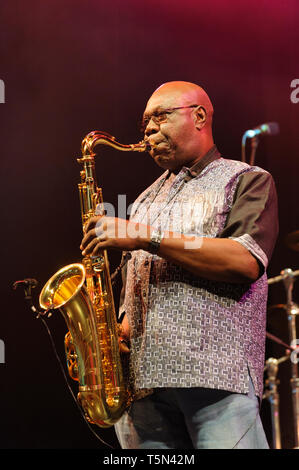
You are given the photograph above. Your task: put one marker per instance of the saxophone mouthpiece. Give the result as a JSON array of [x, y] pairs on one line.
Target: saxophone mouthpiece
[[148, 146]]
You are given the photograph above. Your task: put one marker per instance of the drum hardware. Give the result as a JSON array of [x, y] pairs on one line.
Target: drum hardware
[[271, 391], [272, 395], [288, 277]]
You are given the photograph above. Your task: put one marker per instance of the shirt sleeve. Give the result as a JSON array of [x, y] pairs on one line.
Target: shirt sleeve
[[253, 219]]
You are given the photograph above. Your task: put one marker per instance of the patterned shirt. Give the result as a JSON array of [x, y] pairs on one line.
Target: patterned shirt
[[187, 331]]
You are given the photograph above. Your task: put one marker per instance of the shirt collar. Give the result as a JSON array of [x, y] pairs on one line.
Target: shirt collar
[[197, 168]]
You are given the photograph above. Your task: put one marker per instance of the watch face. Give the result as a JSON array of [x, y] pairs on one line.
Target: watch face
[[156, 238]]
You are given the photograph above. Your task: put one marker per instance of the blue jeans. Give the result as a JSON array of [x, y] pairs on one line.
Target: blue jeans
[[193, 418]]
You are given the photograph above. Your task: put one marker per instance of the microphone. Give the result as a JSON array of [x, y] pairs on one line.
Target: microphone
[[26, 282], [269, 128]]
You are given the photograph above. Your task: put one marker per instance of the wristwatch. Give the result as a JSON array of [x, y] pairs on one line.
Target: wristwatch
[[156, 238]]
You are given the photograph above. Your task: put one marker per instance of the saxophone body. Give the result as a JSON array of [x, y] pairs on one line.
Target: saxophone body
[[82, 292]]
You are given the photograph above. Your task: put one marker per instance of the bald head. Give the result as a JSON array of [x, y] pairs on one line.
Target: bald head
[[180, 93]]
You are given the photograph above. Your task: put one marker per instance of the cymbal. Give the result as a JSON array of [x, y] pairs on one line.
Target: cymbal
[[292, 240]]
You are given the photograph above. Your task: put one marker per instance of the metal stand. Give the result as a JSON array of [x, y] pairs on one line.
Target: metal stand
[[272, 395], [292, 312], [292, 309], [254, 144]]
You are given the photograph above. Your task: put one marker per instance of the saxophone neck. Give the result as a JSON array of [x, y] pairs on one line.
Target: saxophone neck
[[98, 137], [90, 195]]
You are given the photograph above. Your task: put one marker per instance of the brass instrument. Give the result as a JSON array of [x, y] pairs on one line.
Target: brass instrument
[[83, 294]]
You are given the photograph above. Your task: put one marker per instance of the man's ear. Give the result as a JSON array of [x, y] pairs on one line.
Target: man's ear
[[200, 117]]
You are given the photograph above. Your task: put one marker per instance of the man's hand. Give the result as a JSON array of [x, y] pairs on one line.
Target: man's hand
[[103, 232], [124, 336], [123, 345]]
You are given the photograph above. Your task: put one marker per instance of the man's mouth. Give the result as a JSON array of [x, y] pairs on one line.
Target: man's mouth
[[159, 147]]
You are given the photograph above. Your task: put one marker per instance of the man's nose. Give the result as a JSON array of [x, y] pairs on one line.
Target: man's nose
[[151, 128]]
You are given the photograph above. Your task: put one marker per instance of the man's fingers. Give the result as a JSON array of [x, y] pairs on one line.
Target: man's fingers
[[101, 245], [88, 237], [93, 246], [92, 222], [92, 233]]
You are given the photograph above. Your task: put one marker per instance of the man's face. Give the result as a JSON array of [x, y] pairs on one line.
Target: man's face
[[173, 139]]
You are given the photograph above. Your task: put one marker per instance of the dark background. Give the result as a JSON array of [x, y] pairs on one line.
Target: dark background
[[73, 66]]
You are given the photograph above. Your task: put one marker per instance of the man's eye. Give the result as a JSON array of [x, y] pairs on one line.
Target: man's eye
[[156, 117], [144, 124], [161, 117]]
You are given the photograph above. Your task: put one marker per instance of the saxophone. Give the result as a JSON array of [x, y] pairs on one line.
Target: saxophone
[[83, 294]]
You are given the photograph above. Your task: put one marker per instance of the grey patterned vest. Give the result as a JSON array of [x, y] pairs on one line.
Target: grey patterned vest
[[187, 331]]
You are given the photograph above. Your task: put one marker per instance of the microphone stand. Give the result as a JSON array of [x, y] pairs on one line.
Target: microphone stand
[[243, 147], [254, 143], [28, 285]]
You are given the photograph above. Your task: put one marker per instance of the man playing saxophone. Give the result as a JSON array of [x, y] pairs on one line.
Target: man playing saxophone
[[201, 237]]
